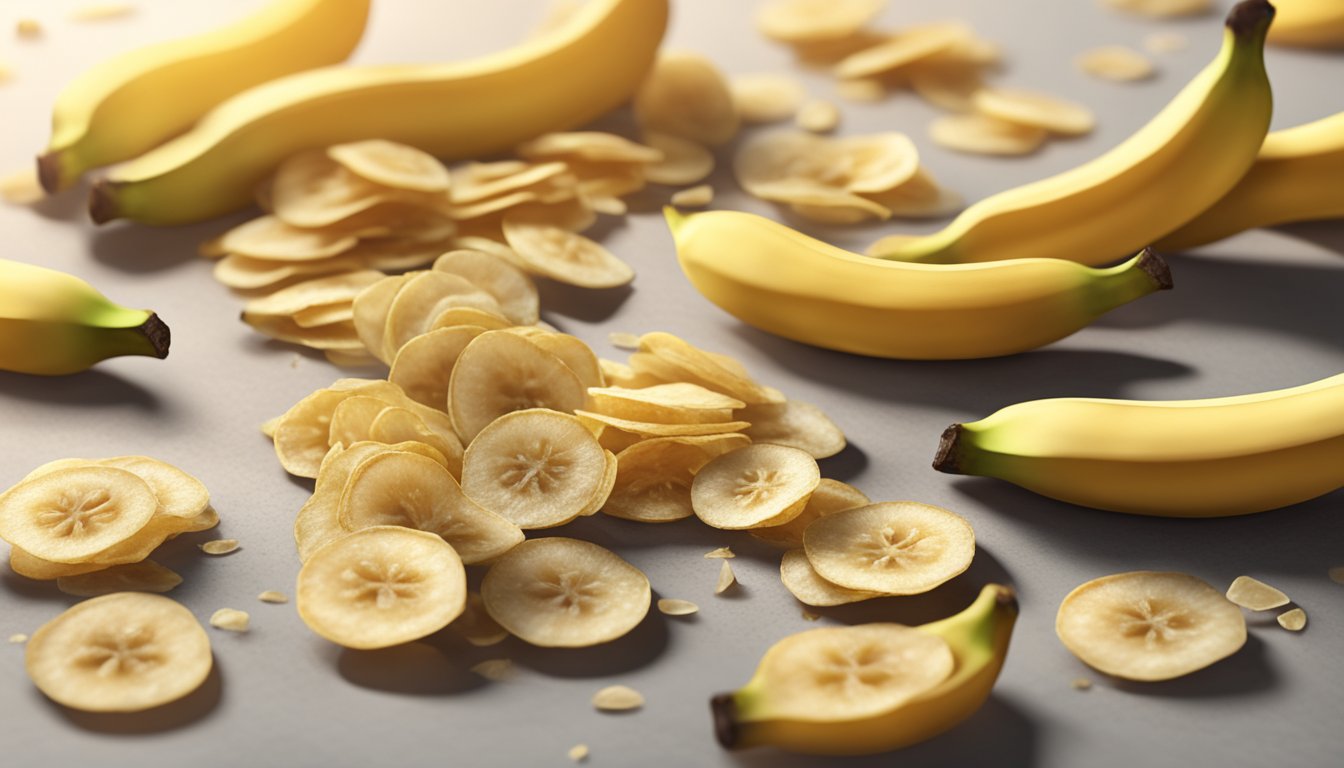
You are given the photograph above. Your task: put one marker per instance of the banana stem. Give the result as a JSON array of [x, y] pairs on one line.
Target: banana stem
[[1140, 276]]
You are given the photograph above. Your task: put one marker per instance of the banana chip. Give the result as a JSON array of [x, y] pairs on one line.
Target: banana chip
[[458, 317], [984, 135], [1116, 62], [587, 145], [482, 184], [1034, 110], [513, 290], [669, 606], [381, 586], [401, 425], [230, 620], [247, 274], [617, 698], [475, 625], [830, 496], [500, 372], [693, 197], [866, 90], [905, 48], [653, 477], [600, 423], [124, 652], [687, 96], [325, 314], [818, 116], [754, 486], [673, 359], [766, 98], [72, 515], [421, 301], [947, 85], [179, 494], [805, 21], [560, 592], [684, 161], [352, 419], [219, 546], [565, 256], [392, 165], [1293, 620], [424, 365], [269, 238], [146, 576], [1255, 595], [726, 578], [678, 403], [572, 351], [795, 424], [370, 312], [311, 190], [805, 584], [896, 548]]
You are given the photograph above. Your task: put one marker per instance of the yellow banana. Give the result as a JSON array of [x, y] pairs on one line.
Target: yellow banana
[[1296, 177], [1184, 458], [1173, 168], [135, 102], [560, 80], [1309, 24], [52, 323], [978, 639], [791, 285]]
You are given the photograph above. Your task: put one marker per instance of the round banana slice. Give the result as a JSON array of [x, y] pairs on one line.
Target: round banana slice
[[422, 299], [653, 477], [124, 652], [247, 274], [381, 586], [681, 361], [679, 403], [565, 593], [267, 237], [326, 314], [317, 521], [70, 515], [510, 287], [806, 21], [537, 468], [565, 256], [753, 486], [1035, 110], [456, 317], [424, 365], [766, 98], [501, 372], [301, 435], [337, 289], [893, 547], [795, 424], [802, 580], [417, 492], [311, 190], [587, 145], [599, 422], [830, 496], [684, 161], [621, 375], [840, 674], [371, 307], [392, 165], [352, 419], [179, 494], [1116, 62], [572, 351], [1146, 625], [985, 135], [401, 425], [905, 48], [686, 95]]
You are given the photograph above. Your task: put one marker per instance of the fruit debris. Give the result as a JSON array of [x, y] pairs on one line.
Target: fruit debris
[[1255, 595], [673, 607], [726, 578], [578, 753], [617, 698], [694, 197], [721, 552], [1116, 62], [1081, 684], [1336, 574], [230, 619], [20, 187], [219, 546], [273, 597], [18, 638], [1293, 620], [818, 116], [498, 670], [28, 28]]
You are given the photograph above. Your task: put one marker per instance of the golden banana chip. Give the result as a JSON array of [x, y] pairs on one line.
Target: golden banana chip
[[805, 584], [458, 317], [726, 578], [302, 432], [71, 515], [684, 161], [621, 375], [804, 21], [687, 96], [679, 403], [617, 698], [818, 116], [418, 305], [1035, 110], [371, 307], [919, 197], [483, 183], [796, 424], [273, 597], [766, 98], [340, 335], [219, 546], [830, 496], [392, 165], [243, 273], [1116, 62], [906, 47], [401, 425], [179, 494], [1255, 595], [230, 620], [897, 548], [653, 477], [352, 418], [565, 256], [1293, 620], [499, 670], [587, 145], [693, 197], [500, 372], [514, 291], [325, 314], [313, 191], [985, 135], [424, 365], [754, 486], [146, 576], [722, 553], [682, 361], [572, 351], [269, 238], [669, 606]]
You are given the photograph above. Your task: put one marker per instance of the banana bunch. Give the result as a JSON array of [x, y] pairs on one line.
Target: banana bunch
[[873, 687], [52, 323], [554, 82], [1186, 458], [1179, 164], [791, 285], [1296, 177], [1309, 24], [134, 102]]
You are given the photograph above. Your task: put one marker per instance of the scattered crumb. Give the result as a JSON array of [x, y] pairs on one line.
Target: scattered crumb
[[623, 340], [726, 578], [694, 197], [810, 616], [818, 116], [578, 753], [1255, 595], [28, 28], [1117, 63], [721, 552], [230, 619], [102, 11], [18, 637], [1081, 684], [271, 596], [617, 698], [499, 670], [1294, 620], [673, 607], [220, 546], [1337, 574], [20, 187], [861, 90], [1165, 42]]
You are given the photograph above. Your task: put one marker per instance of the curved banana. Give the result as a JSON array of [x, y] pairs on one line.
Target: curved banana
[[1296, 177], [786, 283], [1173, 168], [1309, 24], [132, 103], [978, 638], [52, 323], [1184, 458], [554, 82]]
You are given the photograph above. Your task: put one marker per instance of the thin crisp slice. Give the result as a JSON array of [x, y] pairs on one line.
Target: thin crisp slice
[[805, 21], [475, 625], [795, 424], [803, 581], [392, 165], [456, 317], [693, 197], [830, 496], [766, 98], [400, 425], [727, 578], [617, 698], [313, 191], [671, 606], [498, 670], [219, 546], [587, 145], [326, 314], [684, 161], [71, 515], [561, 592], [353, 418], [500, 372], [753, 486], [601, 423], [511, 288], [565, 256], [247, 274], [381, 586], [336, 289], [722, 553], [1293, 620], [179, 494], [1147, 625], [679, 403], [687, 96], [230, 620], [1255, 595], [901, 50], [682, 361], [21, 187], [274, 597], [578, 753], [1036, 110], [123, 652], [371, 307], [1116, 62], [984, 135], [653, 477], [145, 576], [572, 351], [267, 237], [893, 547]]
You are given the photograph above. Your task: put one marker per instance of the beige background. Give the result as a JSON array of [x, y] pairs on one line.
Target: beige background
[[1256, 312]]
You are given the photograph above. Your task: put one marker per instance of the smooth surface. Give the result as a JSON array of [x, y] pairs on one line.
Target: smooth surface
[[1258, 312]]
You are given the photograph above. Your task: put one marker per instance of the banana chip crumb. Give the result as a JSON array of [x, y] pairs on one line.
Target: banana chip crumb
[[726, 578], [18, 637], [1165, 42], [578, 753], [1255, 595], [818, 116], [1337, 574], [220, 546], [1294, 620], [617, 698], [28, 28], [274, 597], [101, 11], [673, 607], [622, 340], [1081, 684], [721, 552], [810, 616], [498, 670], [694, 197], [230, 619]]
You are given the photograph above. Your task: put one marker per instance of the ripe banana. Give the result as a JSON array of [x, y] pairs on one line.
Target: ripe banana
[[788, 284], [1184, 458], [136, 101], [1309, 24], [977, 637], [1296, 177], [1180, 163], [554, 82], [52, 323]]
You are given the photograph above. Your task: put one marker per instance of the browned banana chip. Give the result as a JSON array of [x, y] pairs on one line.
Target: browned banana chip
[[704, 368], [678, 403], [587, 145], [906, 47], [984, 135], [830, 496], [754, 486], [537, 468], [424, 365], [684, 161], [397, 254], [267, 237], [71, 515], [380, 587], [804, 21], [803, 581], [146, 576], [686, 95], [422, 299], [393, 165], [796, 424], [247, 274], [653, 479], [311, 190], [417, 492], [508, 285], [897, 548], [351, 358], [500, 372]]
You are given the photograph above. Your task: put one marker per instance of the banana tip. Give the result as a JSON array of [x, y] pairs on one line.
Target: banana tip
[[1156, 267], [725, 720], [674, 217], [947, 459], [102, 203], [158, 334], [49, 172], [1248, 16], [1006, 598]]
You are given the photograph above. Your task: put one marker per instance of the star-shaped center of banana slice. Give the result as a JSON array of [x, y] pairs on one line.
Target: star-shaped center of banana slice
[[383, 584], [865, 665], [574, 592], [128, 651], [756, 486], [890, 548], [1154, 623], [77, 513]]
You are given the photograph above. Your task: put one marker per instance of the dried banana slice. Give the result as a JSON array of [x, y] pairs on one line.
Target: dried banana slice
[[766, 98], [905, 48], [353, 417], [71, 515], [537, 468], [486, 184], [381, 586], [392, 165], [313, 191], [397, 425], [1035, 110], [830, 496], [508, 285], [500, 372], [456, 317], [1147, 625], [808, 21], [687, 96], [317, 522], [338, 290], [146, 576], [267, 237], [422, 299], [681, 361], [653, 477], [693, 197], [599, 423], [843, 674], [985, 135], [1255, 595], [123, 652], [684, 161], [371, 307], [795, 424], [753, 486], [1116, 62], [326, 314], [424, 365], [179, 494], [247, 274], [417, 492], [572, 351], [301, 435], [893, 547], [678, 403], [621, 375], [565, 256], [587, 145], [803, 581], [559, 592]]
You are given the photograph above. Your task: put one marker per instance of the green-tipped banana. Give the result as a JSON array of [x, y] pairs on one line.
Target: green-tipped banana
[[871, 687], [1182, 458], [128, 105], [1176, 166], [1296, 177], [52, 323]]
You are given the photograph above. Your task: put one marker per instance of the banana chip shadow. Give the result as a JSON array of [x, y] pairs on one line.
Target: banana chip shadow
[[182, 713]]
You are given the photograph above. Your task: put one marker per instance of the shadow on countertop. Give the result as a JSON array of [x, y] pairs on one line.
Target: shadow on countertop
[[88, 389], [182, 713], [138, 248]]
